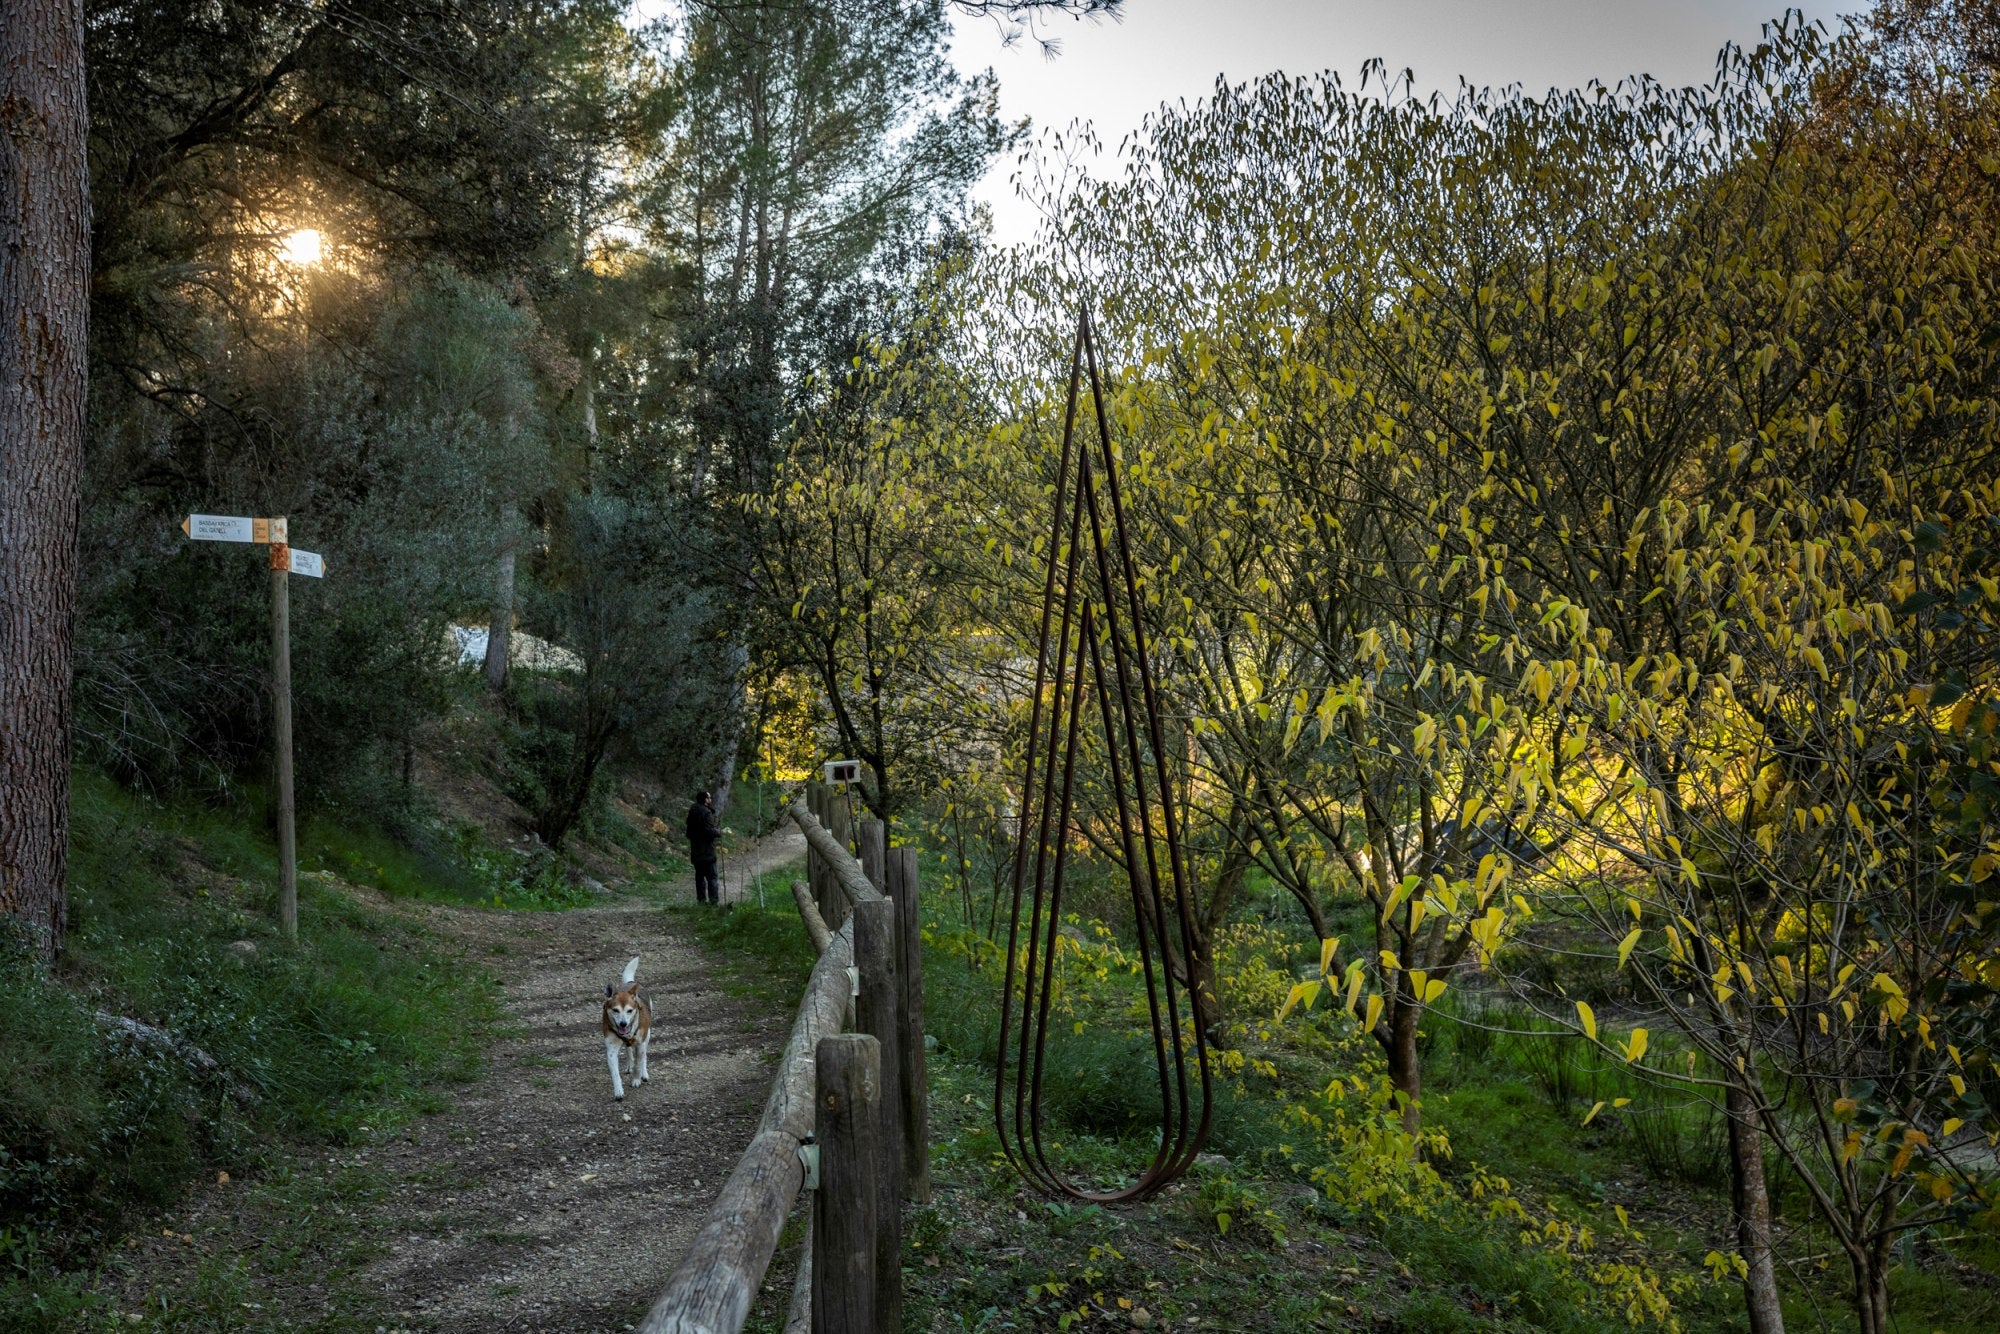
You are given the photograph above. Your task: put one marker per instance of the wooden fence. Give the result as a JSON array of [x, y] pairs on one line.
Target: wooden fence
[[859, 1100]]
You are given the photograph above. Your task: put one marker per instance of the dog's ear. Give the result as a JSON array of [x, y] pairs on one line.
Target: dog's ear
[[609, 990], [636, 986]]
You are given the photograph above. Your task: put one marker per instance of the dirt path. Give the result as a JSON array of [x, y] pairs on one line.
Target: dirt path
[[535, 1201]]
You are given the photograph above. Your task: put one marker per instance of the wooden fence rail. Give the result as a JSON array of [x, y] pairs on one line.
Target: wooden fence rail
[[875, 1106]]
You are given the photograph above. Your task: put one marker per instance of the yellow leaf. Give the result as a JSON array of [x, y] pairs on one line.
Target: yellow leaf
[[1951, 1126], [1588, 1018], [1432, 990], [1591, 1115], [1388, 961], [1637, 1046], [1326, 949], [1374, 1012], [1625, 946], [1297, 994], [1354, 980]]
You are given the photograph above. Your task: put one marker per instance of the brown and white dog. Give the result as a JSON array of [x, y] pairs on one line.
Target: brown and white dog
[[628, 1029]]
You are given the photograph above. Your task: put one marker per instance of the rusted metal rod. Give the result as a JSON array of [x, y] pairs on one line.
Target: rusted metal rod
[[1093, 644]]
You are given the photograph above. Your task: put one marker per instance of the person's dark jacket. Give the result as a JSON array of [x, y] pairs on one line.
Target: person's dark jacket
[[702, 832]]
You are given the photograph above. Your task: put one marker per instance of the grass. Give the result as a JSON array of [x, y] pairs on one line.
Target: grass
[[769, 956], [989, 1254], [1512, 1107], [328, 1041]]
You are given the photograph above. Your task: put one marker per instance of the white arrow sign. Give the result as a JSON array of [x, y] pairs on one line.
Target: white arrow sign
[[308, 563], [219, 528]]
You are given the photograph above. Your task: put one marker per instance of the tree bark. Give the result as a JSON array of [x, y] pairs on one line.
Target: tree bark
[[44, 313], [1870, 1263], [500, 627], [1406, 1073], [1751, 1199], [739, 660]]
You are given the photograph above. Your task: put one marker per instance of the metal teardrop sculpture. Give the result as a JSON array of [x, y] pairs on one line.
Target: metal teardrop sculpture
[[1092, 651]]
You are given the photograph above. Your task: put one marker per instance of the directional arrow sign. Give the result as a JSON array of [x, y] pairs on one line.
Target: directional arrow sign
[[219, 528], [309, 563], [229, 528]]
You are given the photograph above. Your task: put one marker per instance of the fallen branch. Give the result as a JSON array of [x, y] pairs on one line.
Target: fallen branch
[[145, 1035]]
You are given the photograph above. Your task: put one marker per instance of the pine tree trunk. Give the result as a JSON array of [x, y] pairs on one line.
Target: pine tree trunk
[[1750, 1195], [501, 626], [44, 311]]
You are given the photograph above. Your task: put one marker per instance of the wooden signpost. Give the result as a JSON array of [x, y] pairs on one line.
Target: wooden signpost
[[285, 560]]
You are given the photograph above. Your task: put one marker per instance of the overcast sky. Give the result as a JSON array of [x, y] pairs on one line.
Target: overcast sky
[[1112, 74]]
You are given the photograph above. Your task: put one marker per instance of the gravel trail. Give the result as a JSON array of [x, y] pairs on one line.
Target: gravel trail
[[534, 1201]]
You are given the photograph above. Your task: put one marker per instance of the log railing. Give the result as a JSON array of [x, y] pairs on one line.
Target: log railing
[[859, 1100]]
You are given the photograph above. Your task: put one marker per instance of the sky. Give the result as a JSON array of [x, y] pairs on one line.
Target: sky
[[1113, 73]]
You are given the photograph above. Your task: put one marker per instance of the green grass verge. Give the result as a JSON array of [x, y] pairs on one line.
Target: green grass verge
[[172, 911], [989, 1254]]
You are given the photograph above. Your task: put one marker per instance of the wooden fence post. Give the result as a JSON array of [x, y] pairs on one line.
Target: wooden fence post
[[874, 840], [812, 858], [848, 1130], [876, 1015], [838, 825], [825, 891], [915, 1081]]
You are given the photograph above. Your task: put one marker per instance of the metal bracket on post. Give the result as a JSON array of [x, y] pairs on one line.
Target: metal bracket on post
[[809, 1160], [853, 983]]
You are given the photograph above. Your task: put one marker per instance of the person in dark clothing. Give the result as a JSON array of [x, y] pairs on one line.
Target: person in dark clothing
[[702, 832]]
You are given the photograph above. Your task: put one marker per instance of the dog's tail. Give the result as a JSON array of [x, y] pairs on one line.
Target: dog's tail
[[631, 971]]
